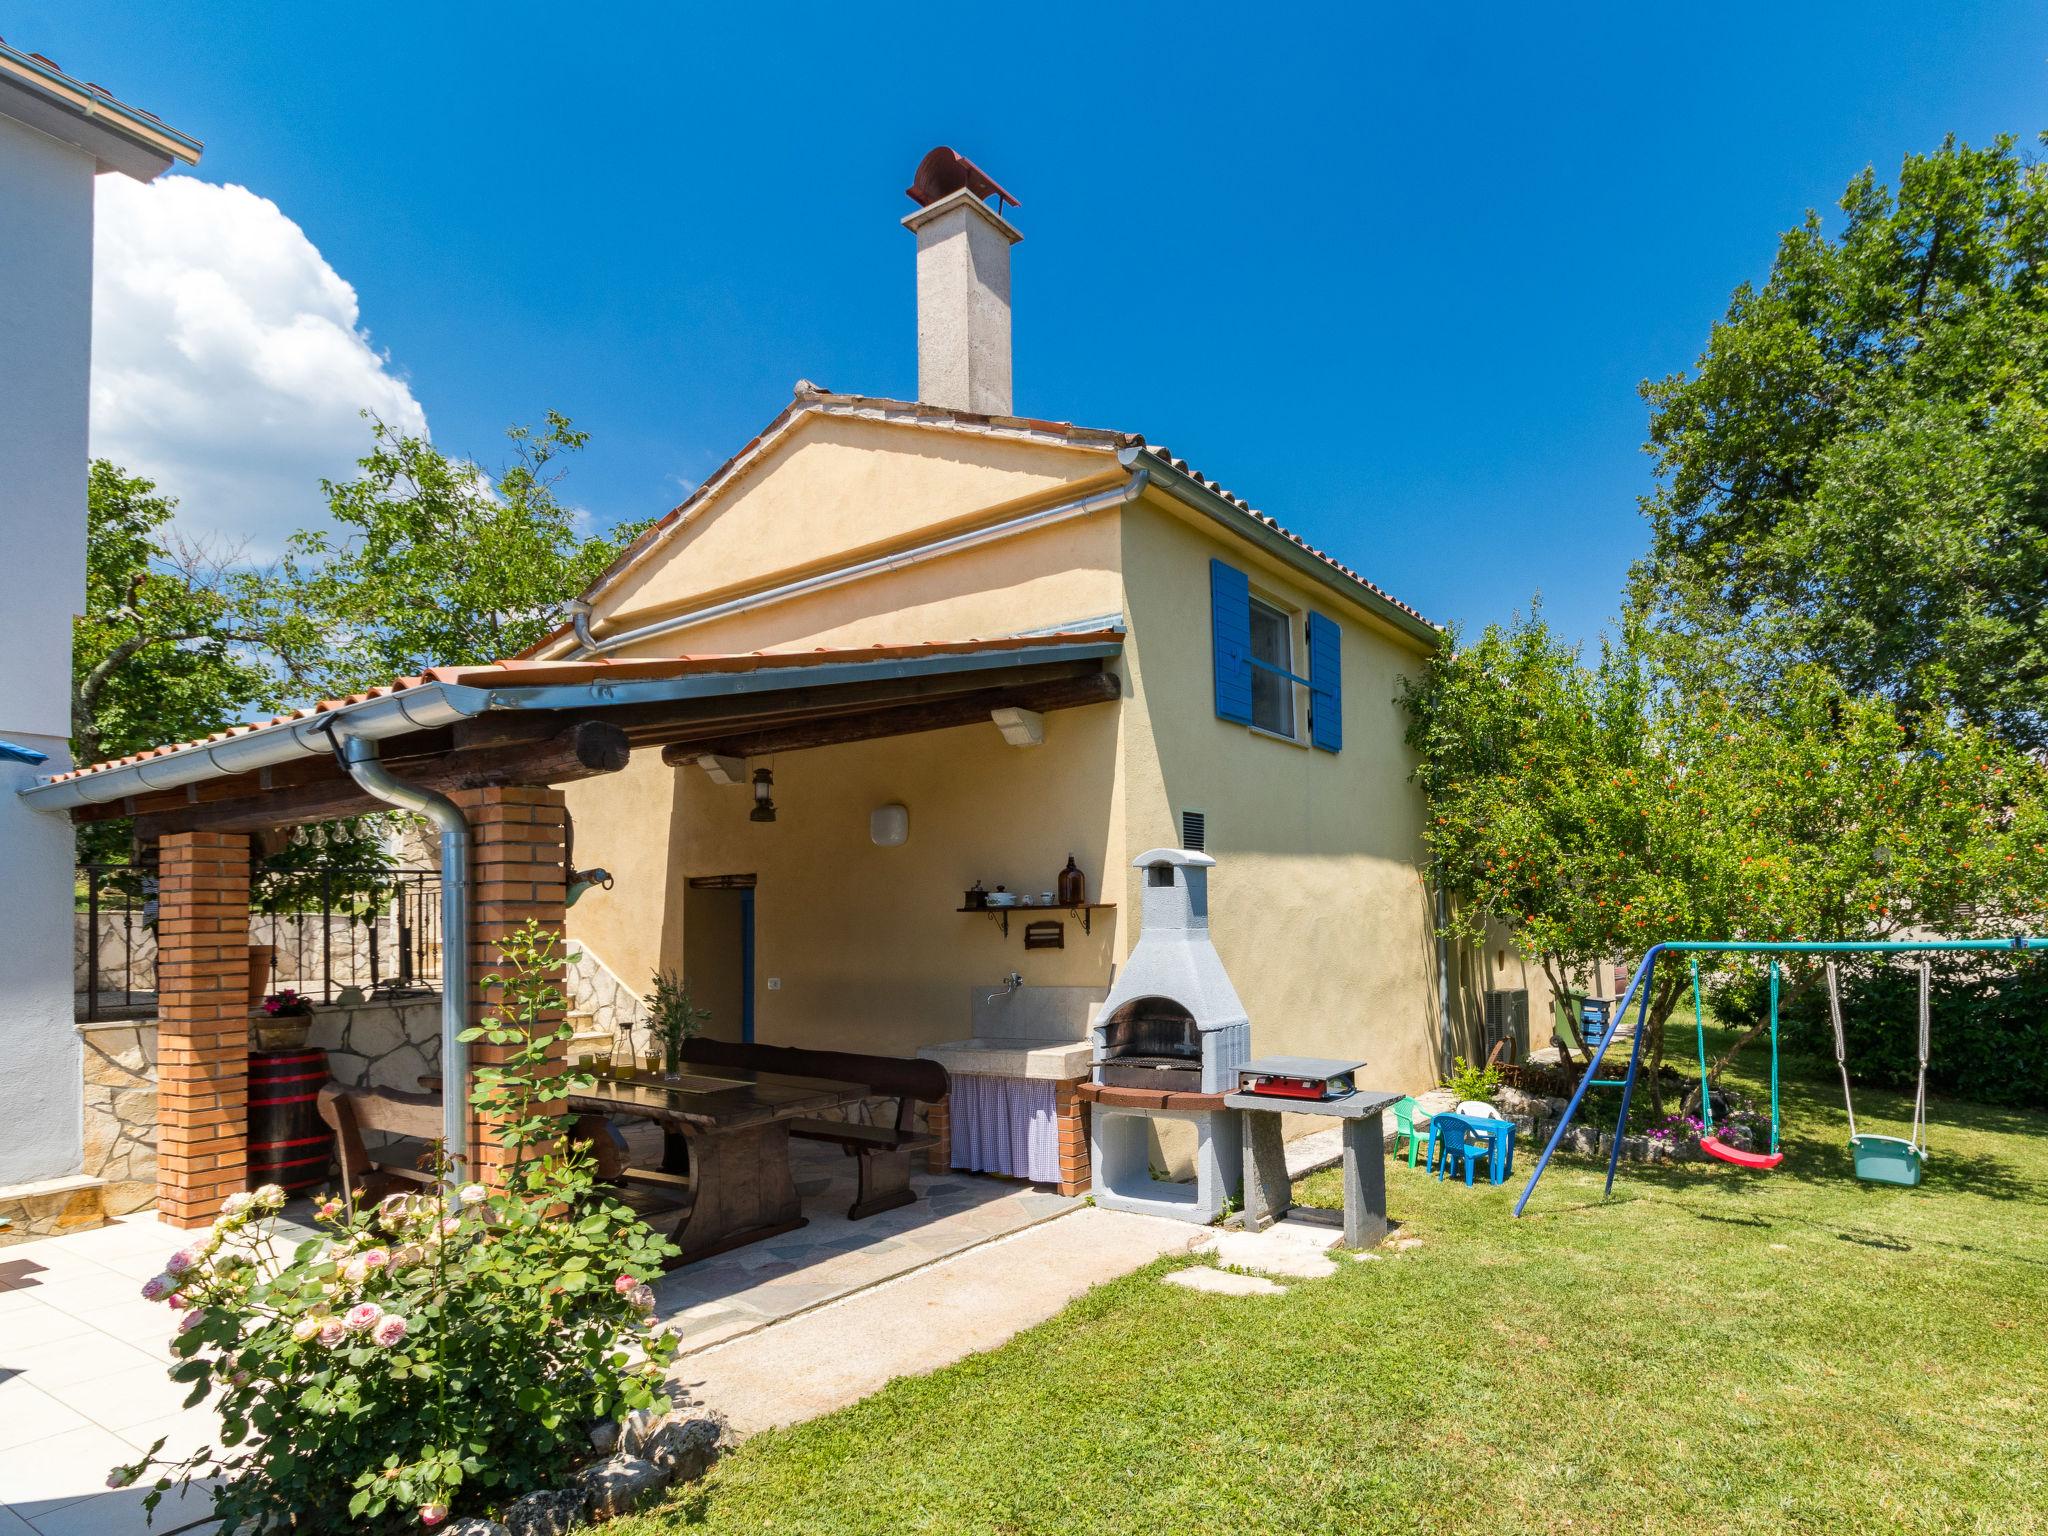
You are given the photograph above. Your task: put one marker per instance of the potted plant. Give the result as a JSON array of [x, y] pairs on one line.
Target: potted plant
[[673, 1017]]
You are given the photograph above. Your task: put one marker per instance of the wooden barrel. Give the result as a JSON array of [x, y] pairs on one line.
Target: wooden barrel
[[289, 1144]]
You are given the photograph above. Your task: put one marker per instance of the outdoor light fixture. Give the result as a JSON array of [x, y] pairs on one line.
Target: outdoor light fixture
[[764, 795], [889, 826]]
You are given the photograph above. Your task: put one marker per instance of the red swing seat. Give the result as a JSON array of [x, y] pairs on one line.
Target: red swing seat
[[1714, 1146]]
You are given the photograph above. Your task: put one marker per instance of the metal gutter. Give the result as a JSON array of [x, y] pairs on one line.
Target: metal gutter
[[358, 754], [1192, 493], [92, 102], [436, 704], [1029, 522], [398, 714]]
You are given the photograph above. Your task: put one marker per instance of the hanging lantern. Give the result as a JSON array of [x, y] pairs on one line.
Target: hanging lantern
[[764, 795]]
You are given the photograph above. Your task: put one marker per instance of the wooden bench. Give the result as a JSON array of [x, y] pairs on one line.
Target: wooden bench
[[885, 1151], [414, 1119]]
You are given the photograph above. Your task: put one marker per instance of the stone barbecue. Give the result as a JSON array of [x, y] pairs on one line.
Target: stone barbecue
[[1173, 1021]]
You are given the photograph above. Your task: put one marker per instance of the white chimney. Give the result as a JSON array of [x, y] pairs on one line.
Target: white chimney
[[963, 286]]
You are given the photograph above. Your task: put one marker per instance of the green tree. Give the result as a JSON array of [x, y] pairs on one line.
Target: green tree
[[436, 562], [165, 649], [1855, 473], [1596, 810]]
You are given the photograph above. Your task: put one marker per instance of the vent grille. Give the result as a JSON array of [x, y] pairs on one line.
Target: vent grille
[[1194, 830]]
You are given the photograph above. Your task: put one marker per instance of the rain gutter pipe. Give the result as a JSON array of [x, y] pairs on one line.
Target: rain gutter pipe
[[358, 755], [588, 644]]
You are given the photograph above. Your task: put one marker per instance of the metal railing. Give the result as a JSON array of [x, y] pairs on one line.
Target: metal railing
[[326, 930]]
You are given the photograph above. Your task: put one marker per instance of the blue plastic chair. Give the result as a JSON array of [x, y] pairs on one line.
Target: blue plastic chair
[[1451, 1138]]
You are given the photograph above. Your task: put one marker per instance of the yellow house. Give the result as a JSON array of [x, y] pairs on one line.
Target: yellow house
[[1252, 713]]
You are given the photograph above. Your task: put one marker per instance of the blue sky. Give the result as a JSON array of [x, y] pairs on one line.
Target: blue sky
[[1394, 279]]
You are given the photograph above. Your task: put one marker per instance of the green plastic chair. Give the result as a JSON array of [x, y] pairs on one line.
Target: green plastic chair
[[1404, 1125]]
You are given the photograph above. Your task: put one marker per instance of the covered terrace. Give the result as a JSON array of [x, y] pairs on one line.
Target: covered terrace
[[483, 752]]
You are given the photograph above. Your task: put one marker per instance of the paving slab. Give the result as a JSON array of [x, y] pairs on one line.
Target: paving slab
[[811, 1364], [1222, 1282]]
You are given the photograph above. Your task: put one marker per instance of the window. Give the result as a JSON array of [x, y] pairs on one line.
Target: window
[[1272, 670], [1263, 678]]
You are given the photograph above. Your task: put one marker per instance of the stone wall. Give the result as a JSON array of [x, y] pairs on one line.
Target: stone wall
[[596, 994], [380, 1044], [120, 1112]]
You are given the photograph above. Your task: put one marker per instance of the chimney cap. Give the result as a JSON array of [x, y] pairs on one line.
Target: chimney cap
[[945, 171]]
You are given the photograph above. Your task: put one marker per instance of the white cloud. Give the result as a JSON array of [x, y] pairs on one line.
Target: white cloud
[[229, 363]]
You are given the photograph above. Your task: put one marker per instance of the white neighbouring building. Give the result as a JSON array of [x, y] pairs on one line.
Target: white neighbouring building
[[57, 134]]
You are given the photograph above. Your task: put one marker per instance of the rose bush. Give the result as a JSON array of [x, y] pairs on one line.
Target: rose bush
[[436, 1352]]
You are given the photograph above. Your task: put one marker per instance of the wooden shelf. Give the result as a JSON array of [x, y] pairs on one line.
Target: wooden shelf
[[1085, 912]]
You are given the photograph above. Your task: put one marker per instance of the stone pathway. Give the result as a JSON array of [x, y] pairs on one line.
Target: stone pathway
[[974, 1301], [831, 1257]]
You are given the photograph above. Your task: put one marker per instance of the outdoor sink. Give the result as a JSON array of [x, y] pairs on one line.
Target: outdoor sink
[[1010, 1056], [1023, 1031]]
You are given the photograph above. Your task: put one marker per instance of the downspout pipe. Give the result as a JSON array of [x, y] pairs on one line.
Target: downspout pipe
[[588, 644], [358, 755]]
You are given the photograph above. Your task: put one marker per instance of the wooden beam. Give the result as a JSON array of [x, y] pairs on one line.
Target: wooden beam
[[650, 724], [901, 720], [577, 751]]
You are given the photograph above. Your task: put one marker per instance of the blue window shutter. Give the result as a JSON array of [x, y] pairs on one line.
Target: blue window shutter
[[1230, 622], [1325, 684]]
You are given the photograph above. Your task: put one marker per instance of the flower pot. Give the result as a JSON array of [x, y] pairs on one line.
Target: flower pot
[[261, 958]]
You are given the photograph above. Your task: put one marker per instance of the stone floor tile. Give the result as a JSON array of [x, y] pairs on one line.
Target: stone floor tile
[[121, 1514], [84, 1296], [60, 1469], [36, 1322], [29, 1414], [1222, 1282], [57, 1365], [149, 1325], [12, 1524], [139, 1395]]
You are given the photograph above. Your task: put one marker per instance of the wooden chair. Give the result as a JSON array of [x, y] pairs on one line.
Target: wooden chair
[[885, 1152], [413, 1119]]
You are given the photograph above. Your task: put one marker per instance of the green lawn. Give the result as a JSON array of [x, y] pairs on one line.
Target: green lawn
[[1710, 1351]]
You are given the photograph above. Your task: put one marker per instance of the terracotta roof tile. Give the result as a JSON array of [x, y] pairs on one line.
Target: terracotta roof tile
[[810, 398], [525, 673]]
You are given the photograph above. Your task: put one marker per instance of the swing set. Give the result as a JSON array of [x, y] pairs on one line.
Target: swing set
[[1877, 1159]]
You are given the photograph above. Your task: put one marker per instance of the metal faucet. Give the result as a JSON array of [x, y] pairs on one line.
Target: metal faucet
[[1011, 983]]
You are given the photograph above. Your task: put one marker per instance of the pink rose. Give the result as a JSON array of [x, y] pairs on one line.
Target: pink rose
[[450, 1225], [355, 1271], [307, 1327], [181, 1262], [362, 1316], [177, 1301], [389, 1331], [329, 1209], [624, 1285], [433, 1514], [156, 1286], [332, 1332], [190, 1321], [642, 1296], [376, 1258]]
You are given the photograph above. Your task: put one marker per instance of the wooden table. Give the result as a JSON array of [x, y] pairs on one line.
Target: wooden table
[[726, 1150]]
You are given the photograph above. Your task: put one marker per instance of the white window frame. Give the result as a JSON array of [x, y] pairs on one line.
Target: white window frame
[[1294, 625]]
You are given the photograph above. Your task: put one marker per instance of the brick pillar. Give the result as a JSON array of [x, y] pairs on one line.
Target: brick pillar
[[202, 1005], [515, 868], [1075, 1178], [938, 1119]]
